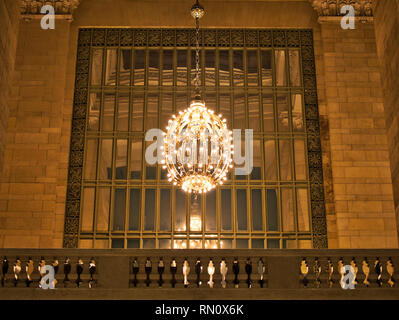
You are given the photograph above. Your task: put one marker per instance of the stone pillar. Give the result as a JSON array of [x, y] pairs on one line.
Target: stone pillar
[[387, 37], [360, 164]]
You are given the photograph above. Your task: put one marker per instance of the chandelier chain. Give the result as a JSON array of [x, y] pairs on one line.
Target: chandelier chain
[[197, 58]]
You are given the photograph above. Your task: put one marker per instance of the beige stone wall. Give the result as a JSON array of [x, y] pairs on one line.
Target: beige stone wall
[[387, 35]]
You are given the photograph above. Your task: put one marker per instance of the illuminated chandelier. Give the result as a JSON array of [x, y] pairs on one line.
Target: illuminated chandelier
[[197, 145]]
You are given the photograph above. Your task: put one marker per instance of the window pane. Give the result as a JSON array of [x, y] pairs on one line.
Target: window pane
[[105, 171], [123, 112], [297, 115], [289, 244], [268, 112], [256, 173], [270, 160], [272, 210], [242, 244], [88, 209], [226, 244], [181, 67], [164, 244], [195, 213], [108, 113], [226, 208], [303, 209], [121, 159], [224, 68], [225, 108], [211, 222], [110, 70], [267, 68], [179, 244], [239, 111], [210, 68], [149, 244], [273, 244], [102, 217], [91, 159], [238, 68], [135, 160], [164, 212], [241, 203], [253, 111], [181, 102], [180, 214], [139, 67], [257, 218], [287, 210], [252, 67], [137, 114], [152, 111], [117, 243], [96, 66], [279, 61], [153, 67], [282, 112], [134, 209], [167, 70], [133, 243], [300, 168], [167, 107], [210, 100], [119, 209], [294, 68], [125, 66], [149, 217], [258, 244], [94, 111], [304, 244], [285, 160]]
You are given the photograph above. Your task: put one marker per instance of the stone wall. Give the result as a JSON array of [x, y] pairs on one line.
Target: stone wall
[[387, 35]]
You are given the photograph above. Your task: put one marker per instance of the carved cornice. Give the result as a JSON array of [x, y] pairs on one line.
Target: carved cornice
[[30, 9], [332, 8]]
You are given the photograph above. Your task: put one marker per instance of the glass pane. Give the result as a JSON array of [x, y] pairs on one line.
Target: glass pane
[[195, 244], [256, 173], [211, 222], [270, 160], [273, 244], [225, 108], [96, 66], [101, 244], [119, 209], [180, 244], [134, 209], [133, 243], [91, 159], [224, 68], [167, 68], [253, 111], [267, 71], [257, 218], [102, 217], [88, 209], [164, 244], [287, 210], [135, 160], [252, 67], [110, 70], [149, 216], [279, 60], [241, 203], [118, 243], [304, 244], [149, 244], [121, 159], [153, 67], [181, 102], [211, 244], [210, 68], [195, 213], [272, 210], [210, 100], [123, 112], [180, 214], [303, 209], [181, 67], [285, 160], [108, 113], [238, 68], [282, 112], [151, 172], [152, 111], [295, 78], [239, 111], [164, 212], [226, 208], [297, 115], [85, 244], [258, 244], [94, 111], [139, 67], [268, 112], [242, 244], [167, 107], [125, 65], [226, 244], [137, 114], [105, 171], [300, 168], [289, 244]]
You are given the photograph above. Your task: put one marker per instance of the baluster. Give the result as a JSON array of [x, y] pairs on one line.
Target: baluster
[[211, 272], [304, 272], [248, 270], [5, 267], [173, 270], [67, 271], [42, 263], [186, 272], [136, 269], [378, 271], [198, 270], [79, 271], [355, 271], [236, 271], [17, 271], [161, 269], [223, 272], [330, 268], [148, 269], [366, 272], [341, 271], [92, 271], [391, 271], [29, 268], [55, 266], [261, 271], [317, 272]]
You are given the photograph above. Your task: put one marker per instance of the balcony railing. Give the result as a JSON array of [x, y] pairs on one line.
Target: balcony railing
[[199, 274]]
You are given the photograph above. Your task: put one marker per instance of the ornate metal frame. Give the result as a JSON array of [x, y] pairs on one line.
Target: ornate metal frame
[[298, 38]]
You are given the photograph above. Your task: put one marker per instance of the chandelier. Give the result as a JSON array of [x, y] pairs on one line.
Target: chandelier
[[197, 146]]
